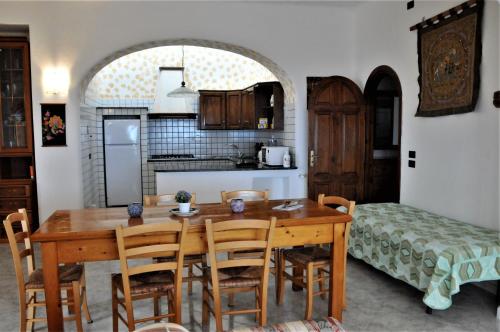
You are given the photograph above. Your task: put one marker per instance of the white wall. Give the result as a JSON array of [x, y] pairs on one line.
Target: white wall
[[457, 173], [305, 40]]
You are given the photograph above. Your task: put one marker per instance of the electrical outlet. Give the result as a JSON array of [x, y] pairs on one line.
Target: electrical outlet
[[410, 4], [411, 163], [412, 154]]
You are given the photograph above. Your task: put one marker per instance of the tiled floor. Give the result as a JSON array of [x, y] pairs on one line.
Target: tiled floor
[[376, 302]]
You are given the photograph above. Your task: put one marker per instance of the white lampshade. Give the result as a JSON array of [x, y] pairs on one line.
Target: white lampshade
[[183, 92]]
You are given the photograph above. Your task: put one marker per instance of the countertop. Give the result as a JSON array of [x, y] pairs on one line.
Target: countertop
[[208, 164]]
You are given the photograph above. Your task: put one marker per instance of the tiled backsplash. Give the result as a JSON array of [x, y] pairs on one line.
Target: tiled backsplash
[[163, 136], [175, 136]]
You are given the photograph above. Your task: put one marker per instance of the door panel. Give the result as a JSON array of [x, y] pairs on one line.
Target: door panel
[[336, 136], [212, 110], [233, 110]]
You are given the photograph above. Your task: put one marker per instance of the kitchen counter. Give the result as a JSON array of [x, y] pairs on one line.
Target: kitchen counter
[[209, 164]]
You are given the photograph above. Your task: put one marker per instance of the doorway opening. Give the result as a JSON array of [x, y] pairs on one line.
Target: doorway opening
[[383, 136]]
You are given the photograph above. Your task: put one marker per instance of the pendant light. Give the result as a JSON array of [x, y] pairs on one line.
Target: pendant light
[[183, 91]]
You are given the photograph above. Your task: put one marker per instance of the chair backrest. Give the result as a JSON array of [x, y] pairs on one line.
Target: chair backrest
[[348, 205], [167, 199], [18, 231], [156, 240], [246, 195], [239, 235]]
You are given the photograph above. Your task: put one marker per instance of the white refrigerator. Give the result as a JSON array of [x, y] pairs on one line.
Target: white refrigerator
[[122, 149]]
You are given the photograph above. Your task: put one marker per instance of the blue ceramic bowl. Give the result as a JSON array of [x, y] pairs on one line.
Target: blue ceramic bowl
[[237, 205], [135, 210]]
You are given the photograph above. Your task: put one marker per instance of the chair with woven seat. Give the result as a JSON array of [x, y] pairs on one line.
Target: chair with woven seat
[[310, 259], [146, 279], [71, 277], [252, 196], [190, 261], [230, 275]]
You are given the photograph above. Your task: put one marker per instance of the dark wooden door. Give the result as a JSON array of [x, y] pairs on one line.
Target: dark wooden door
[[248, 110], [212, 110], [233, 110], [336, 139]]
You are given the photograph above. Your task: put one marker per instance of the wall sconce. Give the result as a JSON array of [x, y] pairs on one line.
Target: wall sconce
[[56, 81]]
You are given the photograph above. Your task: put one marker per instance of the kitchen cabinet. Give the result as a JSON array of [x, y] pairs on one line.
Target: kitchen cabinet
[[242, 109], [233, 110], [212, 110], [248, 110], [17, 171]]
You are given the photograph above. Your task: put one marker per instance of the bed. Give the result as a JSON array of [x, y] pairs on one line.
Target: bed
[[432, 253]]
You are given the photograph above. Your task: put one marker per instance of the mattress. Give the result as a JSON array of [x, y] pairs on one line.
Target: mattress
[[435, 254]]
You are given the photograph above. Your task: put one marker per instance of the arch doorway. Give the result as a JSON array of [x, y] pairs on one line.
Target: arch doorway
[[383, 136]]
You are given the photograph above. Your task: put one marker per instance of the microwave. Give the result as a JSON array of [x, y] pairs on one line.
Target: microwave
[[273, 155]]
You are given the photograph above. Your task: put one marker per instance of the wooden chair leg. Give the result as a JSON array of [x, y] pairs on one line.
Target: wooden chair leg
[[77, 303], [205, 310], [156, 305], [263, 306], [257, 304], [310, 291], [114, 306], [31, 314], [217, 309], [277, 273], [321, 283], [281, 278], [171, 307], [190, 281], [22, 312], [85, 306]]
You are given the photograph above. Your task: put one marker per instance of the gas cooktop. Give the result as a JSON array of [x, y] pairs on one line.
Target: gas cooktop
[[172, 156]]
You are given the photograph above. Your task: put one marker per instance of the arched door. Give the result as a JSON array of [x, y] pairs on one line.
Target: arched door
[[383, 136], [336, 138]]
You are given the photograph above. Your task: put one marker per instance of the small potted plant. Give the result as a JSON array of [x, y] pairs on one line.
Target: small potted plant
[[184, 199]]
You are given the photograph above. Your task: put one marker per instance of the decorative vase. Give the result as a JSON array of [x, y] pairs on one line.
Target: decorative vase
[[184, 207], [237, 205], [135, 210]]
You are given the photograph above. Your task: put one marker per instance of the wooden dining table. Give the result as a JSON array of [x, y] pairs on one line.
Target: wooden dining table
[[88, 235]]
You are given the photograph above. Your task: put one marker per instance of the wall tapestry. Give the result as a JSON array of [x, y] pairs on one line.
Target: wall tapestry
[[449, 55], [53, 124]]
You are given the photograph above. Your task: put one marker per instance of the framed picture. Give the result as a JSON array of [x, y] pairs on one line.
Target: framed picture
[[449, 55], [53, 124]]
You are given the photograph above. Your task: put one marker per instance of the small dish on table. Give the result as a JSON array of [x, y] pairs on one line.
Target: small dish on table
[[192, 212]]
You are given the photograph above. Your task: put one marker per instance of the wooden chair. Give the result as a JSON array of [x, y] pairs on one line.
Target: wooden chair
[[313, 258], [237, 275], [246, 195], [166, 199], [149, 279], [190, 261], [71, 277], [252, 196]]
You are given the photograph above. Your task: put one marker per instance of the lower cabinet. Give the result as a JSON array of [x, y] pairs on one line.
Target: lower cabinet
[[15, 195]]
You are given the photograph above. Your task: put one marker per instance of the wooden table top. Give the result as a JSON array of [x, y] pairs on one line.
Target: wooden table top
[[101, 223]]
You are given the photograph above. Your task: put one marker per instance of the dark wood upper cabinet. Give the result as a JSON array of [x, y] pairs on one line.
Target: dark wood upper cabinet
[[233, 110], [248, 110], [212, 110], [242, 109]]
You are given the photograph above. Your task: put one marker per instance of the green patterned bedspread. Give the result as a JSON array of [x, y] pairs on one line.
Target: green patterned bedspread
[[432, 253]]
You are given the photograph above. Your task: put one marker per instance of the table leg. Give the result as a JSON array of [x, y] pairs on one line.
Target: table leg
[[51, 284], [337, 272]]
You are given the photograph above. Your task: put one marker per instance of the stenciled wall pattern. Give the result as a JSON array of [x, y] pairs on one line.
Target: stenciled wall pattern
[[134, 76]]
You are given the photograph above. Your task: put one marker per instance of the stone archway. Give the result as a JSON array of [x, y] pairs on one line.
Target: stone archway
[[266, 62]]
